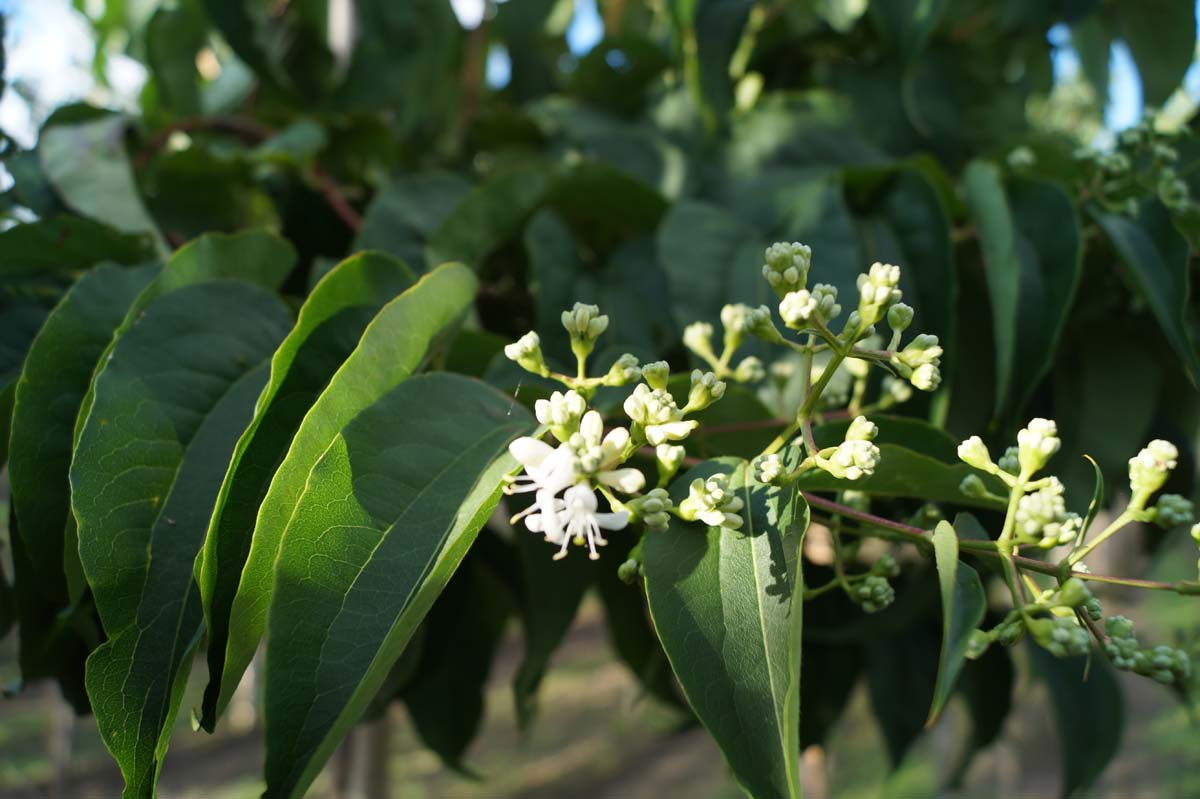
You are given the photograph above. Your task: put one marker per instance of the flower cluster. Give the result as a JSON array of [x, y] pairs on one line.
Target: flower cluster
[[567, 479]]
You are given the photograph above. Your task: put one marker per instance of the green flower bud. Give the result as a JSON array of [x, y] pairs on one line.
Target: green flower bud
[[861, 429], [734, 318], [1010, 633], [1113, 163], [873, 593], [1148, 471], [923, 349], [972, 486], [711, 502], [786, 267], [653, 509], [1093, 609], [877, 291], [623, 371], [584, 322], [1041, 514], [1196, 532], [527, 352], [975, 453], [896, 390], [657, 374], [1074, 593], [628, 571], [750, 370], [561, 413], [1119, 627], [899, 317], [697, 337], [978, 644], [850, 460], [1010, 462], [669, 457], [926, 377], [886, 566], [1021, 158], [759, 323], [1036, 443], [1173, 511], [705, 390], [1061, 636]]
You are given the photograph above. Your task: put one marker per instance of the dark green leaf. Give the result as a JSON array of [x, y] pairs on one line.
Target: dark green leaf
[[386, 515], [326, 332], [906, 24], [174, 36], [727, 606], [488, 215], [830, 673], [169, 406], [1090, 718], [1162, 36], [1157, 258], [58, 371], [65, 243], [407, 211], [392, 347], [963, 606], [901, 669]]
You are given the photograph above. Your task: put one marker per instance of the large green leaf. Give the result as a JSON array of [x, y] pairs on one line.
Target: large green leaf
[[1157, 257], [89, 168], [385, 516], [169, 406], [1089, 713], [727, 606], [329, 326], [407, 211], [1162, 36], [63, 243], [963, 606], [707, 34], [1033, 254], [57, 373], [906, 24], [392, 347], [488, 215]]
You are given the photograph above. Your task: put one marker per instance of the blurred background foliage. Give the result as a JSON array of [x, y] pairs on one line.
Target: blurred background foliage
[[640, 154]]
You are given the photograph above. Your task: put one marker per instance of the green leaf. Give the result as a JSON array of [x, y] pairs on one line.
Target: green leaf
[[330, 323], [58, 371], [445, 697], [986, 686], [173, 38], [901, 665], [385, 516], [169, 406], [830, 673], [1162, 37], [707, 34], [906, 24], [1089, 713], [963, 606], [407, 211], [1157, 258], [392, 347], [1033, 253], [1097, 500], [904, 473], [64, 243], [727, 606], [490, 214], [87, 164]]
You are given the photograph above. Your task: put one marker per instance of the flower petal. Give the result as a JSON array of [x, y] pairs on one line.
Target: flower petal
[[612, 521], [628, 480], [530, 452]]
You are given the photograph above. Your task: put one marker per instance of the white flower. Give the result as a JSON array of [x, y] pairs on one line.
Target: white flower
[[713, 503], [1148, 470], [574, 518], [546, 468], [1036, 443], [561, 413], [599, 454], [656, 411]]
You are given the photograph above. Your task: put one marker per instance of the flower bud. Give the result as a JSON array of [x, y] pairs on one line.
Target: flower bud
[[1009, 462], [1036, 443], [629, 571], [877, 291], [1148, 470], [623, 371], [977, 644], [861, 429], [1093, 609], [750, 370], [899, 317], [653, 509], [797, 307], [705, 390], [975, 453], [734, 318], [786, 267], [896, 390], [759, 324], [851, 460], [769, 469], [973, 486], [711, 502], [1196, 532], [657, 374], [886, 566], [874, 593], [697, 337], [584, 322], [669, 457], [1061, 636], [1074, 593], [561, 413], [926, 377], [1021, 158], [1173, 511], [527, 352], [922, 350]]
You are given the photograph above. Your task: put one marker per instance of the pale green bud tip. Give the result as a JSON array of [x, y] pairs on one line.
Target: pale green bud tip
[[877, 289], [1036, 443], [624, 370], [851, 460], [787, 265], [705, 390], [629, 571], [1008, 461], [975, 453], [758, 323], [1196, 532], [750, 370], [977, 644], [1074, 593], [653, 509], [1021, 158], [527, 351], [973, 486], [697, 337], [898, 390], [886, 566], [584, 322], [899, 317], [1148, 469], [1173, 511], [874, 593], [669, 456], [657, 374], [922, 350], [926, 377], [861, 429], [735, 318], [1061, 636]]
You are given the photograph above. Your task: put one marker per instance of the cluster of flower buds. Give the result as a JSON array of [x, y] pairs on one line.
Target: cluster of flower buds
[[1163, 664], [1149, 469], [738, 320], [857, 456], [873, 593], [1042, 518], [1143, 165], [712, 502], [1050, 622], [786, 267], [1036, 444]]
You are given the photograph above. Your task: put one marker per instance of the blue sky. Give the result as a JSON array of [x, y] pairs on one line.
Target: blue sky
[[48, 48]]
